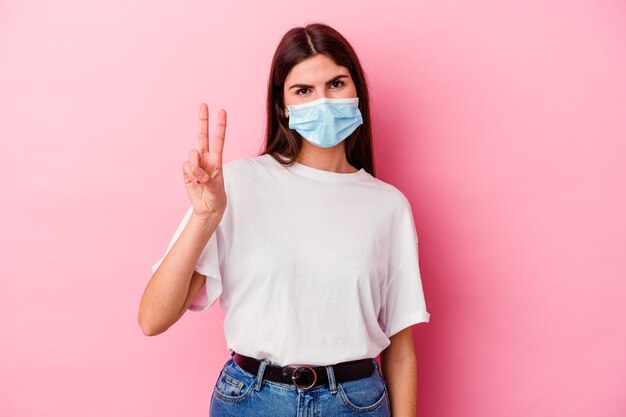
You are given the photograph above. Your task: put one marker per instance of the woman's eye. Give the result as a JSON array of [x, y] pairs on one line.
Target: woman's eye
[[304, 91]]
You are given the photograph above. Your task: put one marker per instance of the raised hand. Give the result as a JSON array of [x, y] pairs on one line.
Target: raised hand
[[202, 173]]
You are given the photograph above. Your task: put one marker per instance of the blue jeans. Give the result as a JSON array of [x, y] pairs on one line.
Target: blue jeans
[[238, 393]]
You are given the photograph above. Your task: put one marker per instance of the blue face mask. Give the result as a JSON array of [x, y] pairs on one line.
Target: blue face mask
[[325, 122]]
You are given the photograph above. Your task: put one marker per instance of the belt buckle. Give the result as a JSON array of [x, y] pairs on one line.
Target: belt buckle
[[293, 376]]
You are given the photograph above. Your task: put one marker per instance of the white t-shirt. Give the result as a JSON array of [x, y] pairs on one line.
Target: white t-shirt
[[311, 266]]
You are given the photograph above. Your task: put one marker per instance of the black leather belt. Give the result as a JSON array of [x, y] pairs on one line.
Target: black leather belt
[[305, 376]]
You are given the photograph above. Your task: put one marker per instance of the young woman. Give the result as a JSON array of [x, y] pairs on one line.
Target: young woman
[[314, 259]]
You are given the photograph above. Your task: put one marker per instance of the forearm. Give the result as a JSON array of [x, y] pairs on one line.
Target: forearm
[[167, 290], [401, 377]]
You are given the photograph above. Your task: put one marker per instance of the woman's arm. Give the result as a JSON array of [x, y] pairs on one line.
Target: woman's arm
[[399, 369], [174, 284]]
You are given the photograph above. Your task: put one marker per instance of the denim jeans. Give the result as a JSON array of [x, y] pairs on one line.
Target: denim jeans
[[238, 393]]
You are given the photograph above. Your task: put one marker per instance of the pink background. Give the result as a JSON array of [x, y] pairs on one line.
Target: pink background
[[504, 123]]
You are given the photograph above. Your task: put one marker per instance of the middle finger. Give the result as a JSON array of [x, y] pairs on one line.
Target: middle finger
[[203, 128]]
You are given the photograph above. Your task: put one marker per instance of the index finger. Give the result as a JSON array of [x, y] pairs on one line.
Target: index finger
[[220, 132], [203, 128]]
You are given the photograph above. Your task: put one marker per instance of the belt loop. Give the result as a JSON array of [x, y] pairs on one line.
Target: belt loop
[[232, 353], [331, 379], [259, 375]]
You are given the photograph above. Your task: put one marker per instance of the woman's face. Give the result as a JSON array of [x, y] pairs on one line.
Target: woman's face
[[316, 77]]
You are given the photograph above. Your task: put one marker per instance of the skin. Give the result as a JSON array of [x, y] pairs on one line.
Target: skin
[[316, 72], [175, 283], [312, 79], [399, 367]]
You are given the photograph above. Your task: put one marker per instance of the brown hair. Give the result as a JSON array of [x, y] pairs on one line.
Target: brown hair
[[298, 44]]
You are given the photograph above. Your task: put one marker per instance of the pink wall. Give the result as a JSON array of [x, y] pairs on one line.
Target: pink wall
[[503, 122]]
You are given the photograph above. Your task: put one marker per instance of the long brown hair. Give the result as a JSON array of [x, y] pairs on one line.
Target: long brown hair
[[298, 44]]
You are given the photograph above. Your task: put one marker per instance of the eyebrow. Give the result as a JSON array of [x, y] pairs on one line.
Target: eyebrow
[[338, 77]]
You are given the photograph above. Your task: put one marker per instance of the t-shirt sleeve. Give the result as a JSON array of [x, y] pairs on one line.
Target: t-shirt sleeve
[[208, 265], [402, 294]]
